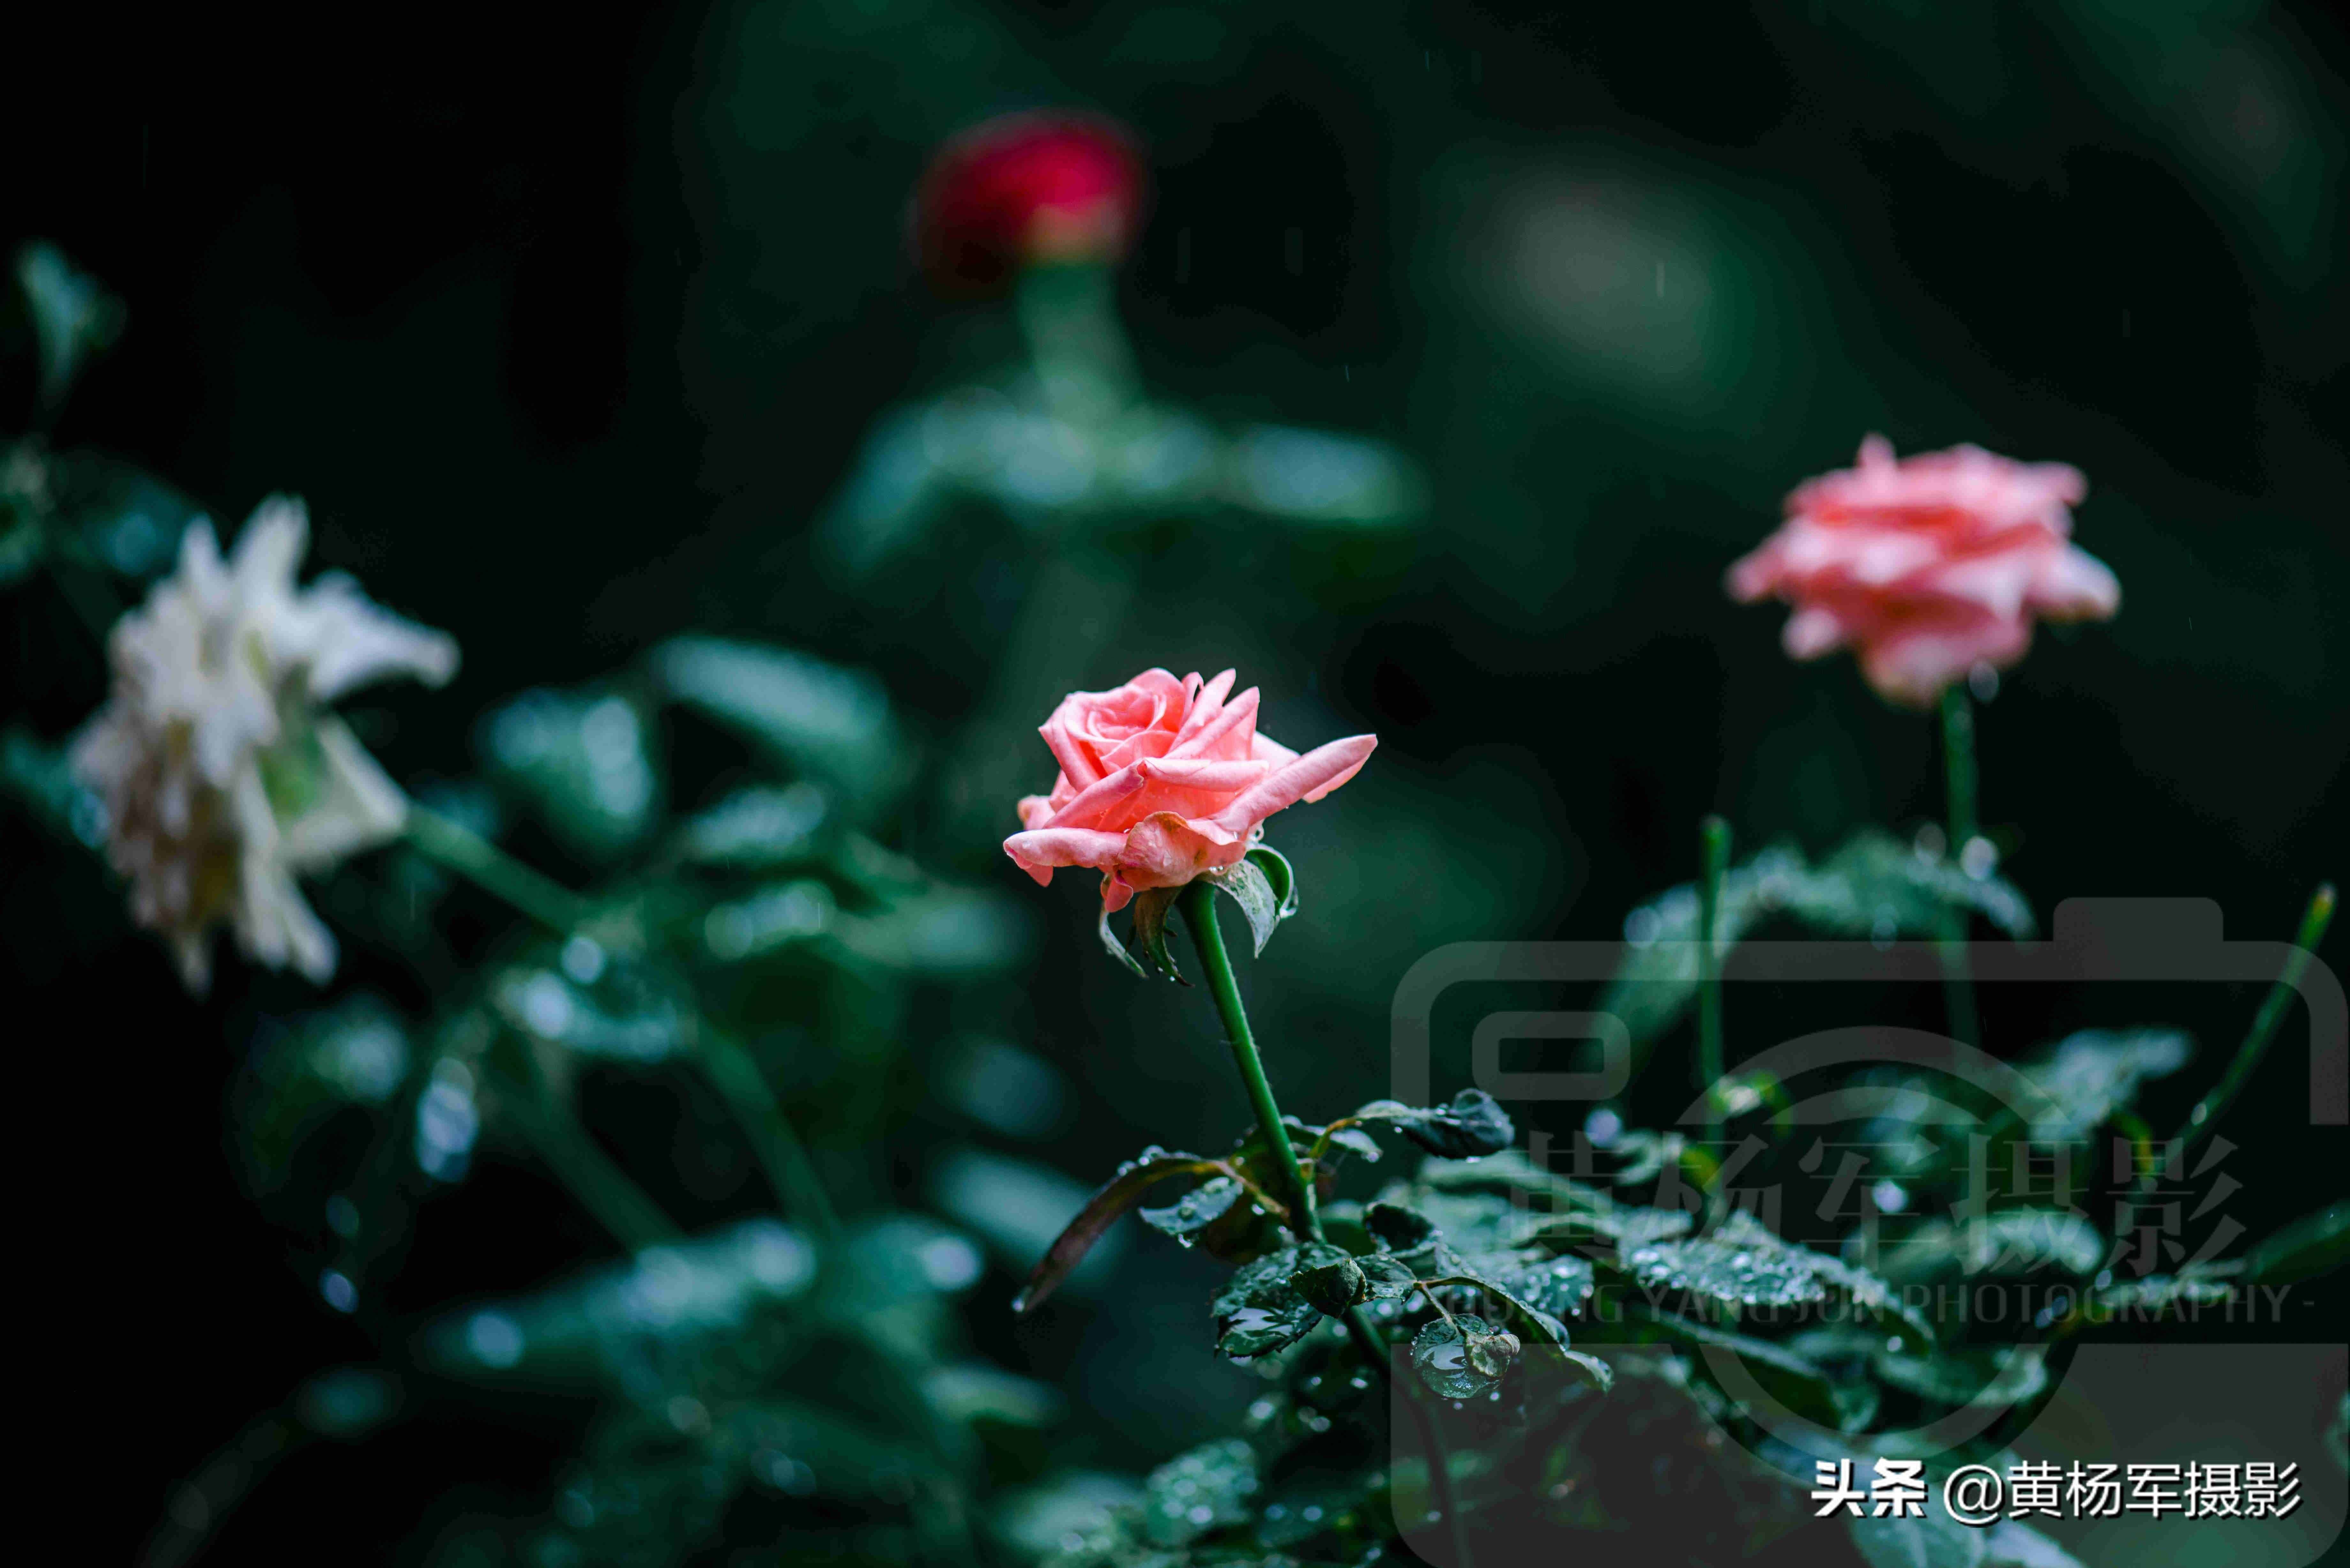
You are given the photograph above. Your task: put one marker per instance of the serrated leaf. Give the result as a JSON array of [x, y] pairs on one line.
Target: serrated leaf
[[1207, 1488], [1246, 885], [2309, 1247], [1259, 1310], [2088, 1076], [1329, 1277], [1387, 1276], [1121, 1192]]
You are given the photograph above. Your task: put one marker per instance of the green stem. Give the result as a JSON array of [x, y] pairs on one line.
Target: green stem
[[1197, 903], [1713, 850], [734, 1074], [618, 1204], [1959, 782], [459, 848], [2211, 1107]]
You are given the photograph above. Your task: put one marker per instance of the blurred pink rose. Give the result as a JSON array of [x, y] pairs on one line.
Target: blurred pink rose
[[1163, 779], [1927, 566]]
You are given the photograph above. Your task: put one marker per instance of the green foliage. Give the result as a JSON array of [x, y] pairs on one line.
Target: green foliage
[[1872, 887], [2089, 1075]]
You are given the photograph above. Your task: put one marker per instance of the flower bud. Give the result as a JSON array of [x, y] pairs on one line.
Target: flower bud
[[1024, 189]]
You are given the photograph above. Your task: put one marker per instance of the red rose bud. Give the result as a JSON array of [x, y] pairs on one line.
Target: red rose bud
[[1023, 189]]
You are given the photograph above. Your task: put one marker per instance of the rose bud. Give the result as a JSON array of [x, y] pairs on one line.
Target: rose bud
[[1926, 566], [1162, 780], [1022, 190]]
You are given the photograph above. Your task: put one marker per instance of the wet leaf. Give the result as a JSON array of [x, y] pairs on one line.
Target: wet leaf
[[1259, 1310], [1396, 1229], [1207, 1488], [1246, 885], [1793, 1379], [2158, 1293], [1278, 874], [1151, 908], [2004, 1241], [1936, 1541], [1985, 1378], [2089, 1075], [1196, 1210], [1123, 1191], [1740, 1262], [1462, 1356], [1873, 886], [1329, 1277], [1473, 1126]]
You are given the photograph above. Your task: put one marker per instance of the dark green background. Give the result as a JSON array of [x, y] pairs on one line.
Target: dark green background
[[565, 325]]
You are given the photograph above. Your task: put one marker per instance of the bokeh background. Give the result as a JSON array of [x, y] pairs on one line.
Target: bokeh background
[[570, 325]]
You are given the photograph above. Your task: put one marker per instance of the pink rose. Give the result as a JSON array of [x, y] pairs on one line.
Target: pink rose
[[1927, 566], [1162, 780]]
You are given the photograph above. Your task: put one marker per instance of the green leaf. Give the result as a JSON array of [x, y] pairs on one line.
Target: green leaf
[[1874, 886], [2089, 1075], [1936, 1541], [1473, 1126], [73, 317], [1865, 1289], [1123, 1191], [1320, 476], [2193, 1285], [1740, 1262], [2309, 1247], [1329, 1277], [596, 1006], [583, 761], [942, 931], [1114, 948], [1982, 1377], [1396, 1229], [1259, 1310], [2010, 1544], [1151, 907], [813, 716], [1795, 1380], [1280, 876], [37, 776], [610, 1320], [1205, 1489], [1196, 1210], [2005, 1241], [1461, 1356], [757, 828], [1245, 884]]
